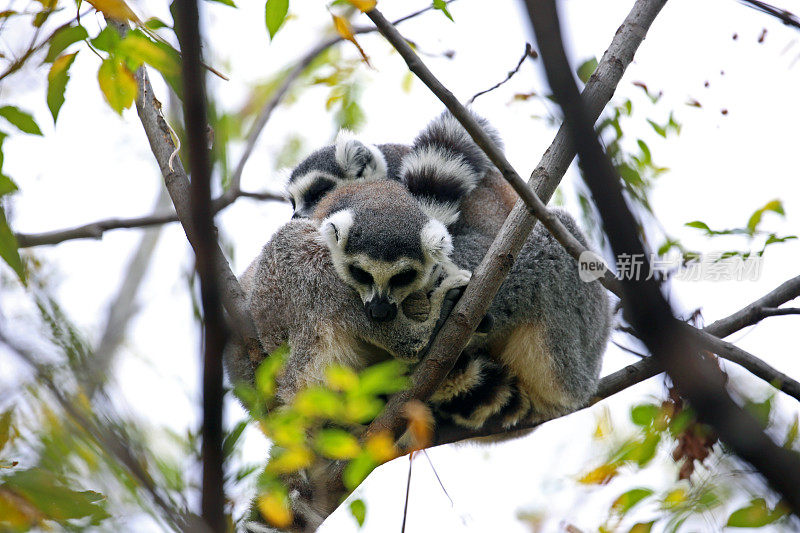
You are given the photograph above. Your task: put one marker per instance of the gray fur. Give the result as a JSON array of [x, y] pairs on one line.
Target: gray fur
[[543, 287]]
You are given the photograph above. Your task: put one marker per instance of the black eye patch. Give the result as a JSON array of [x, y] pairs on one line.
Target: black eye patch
[[317, 190], [403, 278], [360, 275]]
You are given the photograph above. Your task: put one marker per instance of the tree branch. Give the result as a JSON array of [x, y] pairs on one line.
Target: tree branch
[[95, 230], [756, 311], [697, 378], [215, 334]]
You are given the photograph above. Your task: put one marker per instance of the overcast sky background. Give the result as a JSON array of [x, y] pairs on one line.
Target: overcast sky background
[[96, 165]]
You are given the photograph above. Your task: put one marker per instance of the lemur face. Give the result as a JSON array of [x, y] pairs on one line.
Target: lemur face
[[347, 161], [385, 260]]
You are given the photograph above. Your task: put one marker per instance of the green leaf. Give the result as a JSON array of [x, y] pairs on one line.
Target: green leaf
[[661, 130], [337, 444], [276, 11], [117, 83], [5, 428], [268, 370], [62, 39], [107, 40], [57, 80], [319, 402], [22, 120], [8, 247], [155, 23], [628, 500], [141, 49], [791, 435], [760, 410], [357, 470], [755, 219], [644, 414], [642, 527], [586, 69], [383, 378], [699, 225], [757, 514], [229, 443], [223, 2], [7, 185], [48, 493], [359, 511], [441, 5]]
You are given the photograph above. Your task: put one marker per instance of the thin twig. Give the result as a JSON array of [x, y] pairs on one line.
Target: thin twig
[[95, 230], [528, 53], [788, 18], [408, 491]]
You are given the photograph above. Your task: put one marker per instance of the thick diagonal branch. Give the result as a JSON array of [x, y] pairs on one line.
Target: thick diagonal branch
[[489, 275]]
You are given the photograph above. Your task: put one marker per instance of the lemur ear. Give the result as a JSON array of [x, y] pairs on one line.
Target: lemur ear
[[335, 228], [359, 160], [436, 240]]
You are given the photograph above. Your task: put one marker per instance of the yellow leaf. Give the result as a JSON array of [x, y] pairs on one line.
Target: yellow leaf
[[420, 423], [364, 5], [340, 377], [675, 498], [345, 31], [290, 460], [274, 507], [381, 447], [117, 83], [600, 475], [343, 28], [604, 425], [115, 9]]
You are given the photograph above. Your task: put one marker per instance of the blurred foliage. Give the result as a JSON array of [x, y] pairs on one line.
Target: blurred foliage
[[320, 424], [710, 488]]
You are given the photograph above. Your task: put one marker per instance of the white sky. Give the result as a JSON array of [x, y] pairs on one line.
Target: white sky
[[95, 165]]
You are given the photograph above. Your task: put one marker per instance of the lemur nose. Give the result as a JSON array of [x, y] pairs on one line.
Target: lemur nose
[[380, 310]]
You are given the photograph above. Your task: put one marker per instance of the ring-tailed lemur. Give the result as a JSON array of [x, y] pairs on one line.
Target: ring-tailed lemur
[[542, 356], [299, 288]]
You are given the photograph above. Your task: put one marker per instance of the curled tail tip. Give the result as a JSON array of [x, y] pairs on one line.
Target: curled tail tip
[[358, 159]]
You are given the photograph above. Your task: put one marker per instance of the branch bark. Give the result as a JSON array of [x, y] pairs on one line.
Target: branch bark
[[215, 334], [757, 310], [697, 378]]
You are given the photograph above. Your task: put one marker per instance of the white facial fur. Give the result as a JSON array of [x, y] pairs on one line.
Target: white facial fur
[[436, 244]]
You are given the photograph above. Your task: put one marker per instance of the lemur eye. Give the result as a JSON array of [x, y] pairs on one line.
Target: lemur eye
[[317, 190], [360, 275], [403, 278]]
